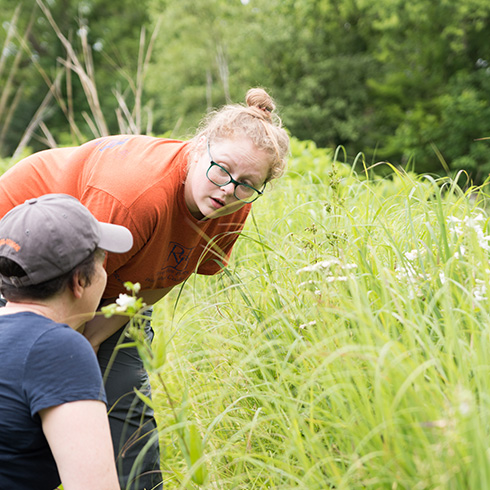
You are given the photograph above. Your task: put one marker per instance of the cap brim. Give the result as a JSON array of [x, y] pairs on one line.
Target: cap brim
[[115, 238]]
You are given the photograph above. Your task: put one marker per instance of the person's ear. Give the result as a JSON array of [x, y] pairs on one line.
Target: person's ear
[[199, 148], [78, 285]]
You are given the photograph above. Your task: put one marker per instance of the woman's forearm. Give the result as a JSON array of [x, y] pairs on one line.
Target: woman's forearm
[[101, 328]]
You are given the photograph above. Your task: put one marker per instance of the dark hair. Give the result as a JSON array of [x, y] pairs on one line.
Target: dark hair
[[47, 289]]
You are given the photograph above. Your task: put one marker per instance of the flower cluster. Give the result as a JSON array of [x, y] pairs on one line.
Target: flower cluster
[[331, 270], [126, 304], [460, 227], [407, 273], [463, 235]]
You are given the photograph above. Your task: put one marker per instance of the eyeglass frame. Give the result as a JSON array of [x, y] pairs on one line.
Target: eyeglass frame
[[232, 180]]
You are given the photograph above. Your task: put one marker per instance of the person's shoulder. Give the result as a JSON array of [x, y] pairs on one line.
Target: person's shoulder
[[60, 333], [24, 321], [126, 141], [61, 345], [54, 337]]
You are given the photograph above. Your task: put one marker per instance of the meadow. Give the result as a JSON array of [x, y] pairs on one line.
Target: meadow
[[346, 346]]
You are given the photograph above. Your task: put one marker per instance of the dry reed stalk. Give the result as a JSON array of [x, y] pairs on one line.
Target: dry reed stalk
[[37, 118], [10, 34], [49, 139], [8, 104], [136, 86], [85, 74], [52, 87], [10, 113]]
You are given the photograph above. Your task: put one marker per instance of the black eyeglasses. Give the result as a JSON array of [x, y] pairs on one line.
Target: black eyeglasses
[[219, 176]]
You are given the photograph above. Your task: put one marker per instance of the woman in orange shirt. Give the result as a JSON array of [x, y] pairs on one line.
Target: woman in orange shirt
[[185, 204]]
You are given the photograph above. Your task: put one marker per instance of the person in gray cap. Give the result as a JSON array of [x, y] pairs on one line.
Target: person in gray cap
[[53, 426]]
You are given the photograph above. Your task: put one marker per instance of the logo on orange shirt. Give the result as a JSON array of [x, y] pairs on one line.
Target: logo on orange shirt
[[178, 256]]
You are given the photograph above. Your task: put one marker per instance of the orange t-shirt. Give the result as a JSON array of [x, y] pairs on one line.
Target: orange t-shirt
[[137, 182]]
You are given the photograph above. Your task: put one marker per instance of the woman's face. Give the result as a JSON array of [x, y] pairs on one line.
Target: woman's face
[[243, 161], [93, 292]]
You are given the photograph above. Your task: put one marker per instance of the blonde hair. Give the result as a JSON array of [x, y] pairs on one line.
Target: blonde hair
[[257, 121]]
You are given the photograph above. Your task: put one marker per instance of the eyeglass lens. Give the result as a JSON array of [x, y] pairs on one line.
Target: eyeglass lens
[[220, 176]]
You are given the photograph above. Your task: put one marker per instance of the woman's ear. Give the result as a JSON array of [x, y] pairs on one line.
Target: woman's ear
[[77, 285], [199, 148]]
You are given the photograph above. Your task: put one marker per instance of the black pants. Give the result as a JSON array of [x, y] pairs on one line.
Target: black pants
[[133, 427]]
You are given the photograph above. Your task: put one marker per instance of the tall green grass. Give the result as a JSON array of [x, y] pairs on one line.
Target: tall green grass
[[346, 346]]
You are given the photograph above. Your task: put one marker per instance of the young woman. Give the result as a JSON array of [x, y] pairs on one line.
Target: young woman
[[185, 204], [54, 427]]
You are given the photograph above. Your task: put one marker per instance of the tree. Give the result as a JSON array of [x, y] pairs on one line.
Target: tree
[[104, 36], [433, 97], [310, 54]]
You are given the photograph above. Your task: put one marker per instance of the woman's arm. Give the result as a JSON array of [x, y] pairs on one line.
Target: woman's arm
[[101, 328], [79, 437]]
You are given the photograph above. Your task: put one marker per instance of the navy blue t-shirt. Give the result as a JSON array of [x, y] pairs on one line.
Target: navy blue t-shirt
[[42, 364]]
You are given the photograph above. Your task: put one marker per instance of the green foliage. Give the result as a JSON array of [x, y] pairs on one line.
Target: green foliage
[[434, 88], [346, 346], [317, 163], [326, 57], [400, 81], [454, 123], [5, 164], [44, 72]]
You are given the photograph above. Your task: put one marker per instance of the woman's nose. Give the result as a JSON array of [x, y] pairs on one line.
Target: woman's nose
[[228, 189]]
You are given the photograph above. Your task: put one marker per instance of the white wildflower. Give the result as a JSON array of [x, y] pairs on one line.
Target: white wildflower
[[452, 220], [455, 224], [460, 253], [309, 324], [336, 278], [464, 401], [480, 290], [412, 255], [330, 269], [307, 283], [470, 223], [407, 272], [349, 267], [473, 224], [464, 408], [124, 302], [442, 277], [413, 278], [320, 266]]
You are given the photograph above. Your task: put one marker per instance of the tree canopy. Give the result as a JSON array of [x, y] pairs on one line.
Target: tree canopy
[[402, 81]]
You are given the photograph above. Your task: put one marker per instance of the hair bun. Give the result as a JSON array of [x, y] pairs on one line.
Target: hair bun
[[259, 98]]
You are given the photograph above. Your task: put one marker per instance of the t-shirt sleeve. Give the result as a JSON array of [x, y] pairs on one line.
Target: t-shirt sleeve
[[60, 368]]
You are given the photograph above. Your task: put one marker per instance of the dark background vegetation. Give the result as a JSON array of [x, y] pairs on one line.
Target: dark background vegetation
[[406, 82]]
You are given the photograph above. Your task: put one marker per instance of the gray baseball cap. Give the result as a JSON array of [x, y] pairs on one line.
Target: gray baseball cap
[[50, 235]]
